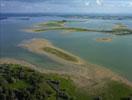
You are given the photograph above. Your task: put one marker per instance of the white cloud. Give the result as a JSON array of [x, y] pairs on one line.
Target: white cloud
[[130, 4], [99, 2], [87, 3]]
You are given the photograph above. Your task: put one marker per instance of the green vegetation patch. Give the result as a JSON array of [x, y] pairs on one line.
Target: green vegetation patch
[[117, 90], [63, 28], [118, 29], [18, 84], [60, 54], [21, 83], [53, 24]]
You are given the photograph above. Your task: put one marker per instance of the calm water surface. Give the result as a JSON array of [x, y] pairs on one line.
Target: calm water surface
[[115, 55]]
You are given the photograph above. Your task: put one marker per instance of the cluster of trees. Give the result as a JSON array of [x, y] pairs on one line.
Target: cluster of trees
[[21, 83]]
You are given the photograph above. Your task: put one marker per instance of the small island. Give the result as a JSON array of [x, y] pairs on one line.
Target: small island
[[118, 29], [104, 39], [53, 24], [43, 46]]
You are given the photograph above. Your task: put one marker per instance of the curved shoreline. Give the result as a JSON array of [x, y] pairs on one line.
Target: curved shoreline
[[38, 46], [91, 76], [79, 71]]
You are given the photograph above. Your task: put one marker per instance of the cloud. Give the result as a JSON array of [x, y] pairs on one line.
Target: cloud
[[87, 3], [130, 4], [67, 6], [43, 1], [99, 2], [28, 0]]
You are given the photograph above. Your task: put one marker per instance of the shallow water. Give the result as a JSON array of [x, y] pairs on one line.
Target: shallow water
[[115, 55]]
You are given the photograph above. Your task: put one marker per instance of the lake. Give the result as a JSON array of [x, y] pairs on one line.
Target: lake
[[115, 55]]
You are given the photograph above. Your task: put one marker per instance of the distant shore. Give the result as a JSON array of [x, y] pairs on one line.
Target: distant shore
[[118, 29]]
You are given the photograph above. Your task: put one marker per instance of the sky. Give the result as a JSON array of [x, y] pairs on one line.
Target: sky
[[66, 6]]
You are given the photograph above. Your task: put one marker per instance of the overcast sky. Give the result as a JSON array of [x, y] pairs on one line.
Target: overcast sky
[[66, 6]]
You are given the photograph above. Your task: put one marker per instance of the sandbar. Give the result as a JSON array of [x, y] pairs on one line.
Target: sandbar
[[45, 47], [104, 39]]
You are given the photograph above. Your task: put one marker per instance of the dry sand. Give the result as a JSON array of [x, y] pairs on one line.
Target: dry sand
[[105, 39], [37, 46]]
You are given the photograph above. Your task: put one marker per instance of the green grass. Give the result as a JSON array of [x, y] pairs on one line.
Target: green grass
[[113, 31], [62, 28], [60, 54], [37, 83], [19, 84], [66, 82], [53, 24], [117, 90], [60, 25]]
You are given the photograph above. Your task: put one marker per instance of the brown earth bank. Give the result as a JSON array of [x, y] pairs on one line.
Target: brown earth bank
[[89, 77]]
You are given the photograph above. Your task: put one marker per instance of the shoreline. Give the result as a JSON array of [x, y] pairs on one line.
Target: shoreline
[[90, 75], [118, 29], [104, 39], [79, 71], [38, 45]]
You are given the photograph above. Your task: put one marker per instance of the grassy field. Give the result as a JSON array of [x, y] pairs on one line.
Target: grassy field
[[60, 54]]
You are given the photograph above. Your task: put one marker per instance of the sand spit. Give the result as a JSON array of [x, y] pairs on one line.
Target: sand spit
[[43, 46], [89, 77], [82, 73], [105, 39]]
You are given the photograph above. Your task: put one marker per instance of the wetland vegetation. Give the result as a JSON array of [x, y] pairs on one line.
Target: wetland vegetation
[[60, 54], [118, 29]]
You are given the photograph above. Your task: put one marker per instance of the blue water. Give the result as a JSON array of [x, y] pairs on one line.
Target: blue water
[[115, 55]]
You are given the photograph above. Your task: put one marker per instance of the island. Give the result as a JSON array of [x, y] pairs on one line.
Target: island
[[118, 29], [43, 46], [104, 39], [121, 29]]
